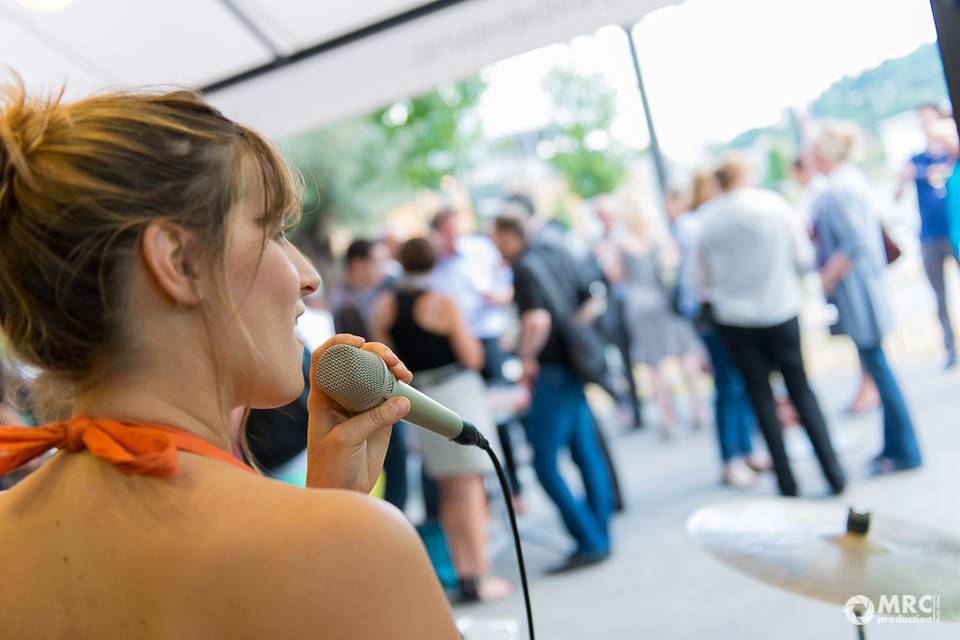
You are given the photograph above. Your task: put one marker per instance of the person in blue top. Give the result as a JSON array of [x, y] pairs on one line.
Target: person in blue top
[[952, 139], [929, 170]]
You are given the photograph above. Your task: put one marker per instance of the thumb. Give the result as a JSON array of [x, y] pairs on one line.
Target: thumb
[[360, 427]]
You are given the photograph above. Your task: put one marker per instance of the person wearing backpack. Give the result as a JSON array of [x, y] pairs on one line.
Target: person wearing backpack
[[555, 317]]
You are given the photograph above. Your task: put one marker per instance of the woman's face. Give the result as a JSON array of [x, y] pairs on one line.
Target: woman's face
[[268, 289]]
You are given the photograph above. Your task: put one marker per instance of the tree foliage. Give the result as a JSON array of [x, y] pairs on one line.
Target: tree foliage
[[433, 134], [346, 171], [895, 86], [358, 168], [584, 152]]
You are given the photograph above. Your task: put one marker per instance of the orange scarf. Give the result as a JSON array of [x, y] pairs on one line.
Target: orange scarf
[[134, 448]]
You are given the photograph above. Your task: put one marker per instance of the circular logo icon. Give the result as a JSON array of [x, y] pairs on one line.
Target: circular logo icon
[[859, 610]]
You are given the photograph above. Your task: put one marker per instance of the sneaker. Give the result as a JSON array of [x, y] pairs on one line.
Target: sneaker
[[759, 462], [486, 589], [882, 465], [863, 404], [738, 474], [579, 560]]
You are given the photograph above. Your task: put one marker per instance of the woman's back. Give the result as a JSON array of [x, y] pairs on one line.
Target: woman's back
[[417, 330], [753, 248], [845, 216], [846, 222], [91, 552], [645, 289], [213, 552]]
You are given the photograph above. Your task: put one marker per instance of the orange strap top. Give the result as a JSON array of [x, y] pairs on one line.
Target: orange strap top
[[134, 448]]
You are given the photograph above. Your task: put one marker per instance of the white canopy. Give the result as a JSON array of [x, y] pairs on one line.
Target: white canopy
[[286, 65]]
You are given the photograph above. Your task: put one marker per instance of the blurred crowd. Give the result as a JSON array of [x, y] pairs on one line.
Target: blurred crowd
[[510, 326]]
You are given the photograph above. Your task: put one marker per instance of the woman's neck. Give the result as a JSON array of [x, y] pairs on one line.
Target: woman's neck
[[415, 281], [156, 402]]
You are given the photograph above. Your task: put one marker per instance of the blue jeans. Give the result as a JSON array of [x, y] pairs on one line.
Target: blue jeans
[[733, 412], [899, 439], [560, 419]]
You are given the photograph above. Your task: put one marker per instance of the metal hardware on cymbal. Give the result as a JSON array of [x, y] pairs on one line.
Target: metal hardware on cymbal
[[858, 522], [824, 551]]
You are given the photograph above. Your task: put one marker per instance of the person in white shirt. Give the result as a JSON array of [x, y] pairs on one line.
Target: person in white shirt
[[753, 248], [733, 413]]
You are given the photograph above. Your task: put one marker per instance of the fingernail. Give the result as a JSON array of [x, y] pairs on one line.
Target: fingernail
[[398, 405]]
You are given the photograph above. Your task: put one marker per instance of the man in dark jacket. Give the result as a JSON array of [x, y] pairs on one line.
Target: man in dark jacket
[[559, 416]]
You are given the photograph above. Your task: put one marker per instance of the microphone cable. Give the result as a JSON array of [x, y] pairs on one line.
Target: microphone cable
[[508, 498]]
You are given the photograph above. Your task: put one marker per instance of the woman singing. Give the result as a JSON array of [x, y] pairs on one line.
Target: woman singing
[[144, 270]]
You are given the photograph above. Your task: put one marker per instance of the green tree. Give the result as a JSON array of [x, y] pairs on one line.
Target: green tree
[[778, 165], [358, 168], [434, 134], [584, 152], [345, 169]]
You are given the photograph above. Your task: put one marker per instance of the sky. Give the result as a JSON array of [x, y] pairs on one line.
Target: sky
[[712, 69]]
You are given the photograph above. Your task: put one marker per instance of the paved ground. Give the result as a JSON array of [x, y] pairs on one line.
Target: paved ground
[[660, 584]]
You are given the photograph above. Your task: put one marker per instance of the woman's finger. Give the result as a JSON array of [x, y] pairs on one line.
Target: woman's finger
[[400, 372], [360, 427], [382, 350], [340, 338], [397, 368]]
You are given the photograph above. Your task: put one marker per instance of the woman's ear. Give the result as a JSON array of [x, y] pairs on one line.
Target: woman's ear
[[166, 256]]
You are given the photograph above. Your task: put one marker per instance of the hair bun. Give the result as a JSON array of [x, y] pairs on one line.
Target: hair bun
[[23, 123]]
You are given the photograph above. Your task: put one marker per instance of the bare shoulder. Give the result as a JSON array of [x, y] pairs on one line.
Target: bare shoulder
[[334, 564], [435, 312], [447, 305]]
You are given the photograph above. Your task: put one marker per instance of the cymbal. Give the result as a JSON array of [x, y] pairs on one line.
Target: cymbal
[[805, 547]]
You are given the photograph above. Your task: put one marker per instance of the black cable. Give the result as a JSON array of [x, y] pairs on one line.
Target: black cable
[[508, 497]]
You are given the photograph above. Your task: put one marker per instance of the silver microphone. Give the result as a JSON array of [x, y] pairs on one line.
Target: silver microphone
[[359, 380]]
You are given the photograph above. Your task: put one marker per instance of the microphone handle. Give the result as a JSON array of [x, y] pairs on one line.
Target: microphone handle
[[429, 414]]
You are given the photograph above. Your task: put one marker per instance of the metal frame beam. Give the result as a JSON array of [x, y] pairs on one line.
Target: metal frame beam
[[323, 47], [946, 16], [253, 28]]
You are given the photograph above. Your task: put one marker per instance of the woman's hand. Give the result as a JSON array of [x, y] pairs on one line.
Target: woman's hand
[[827, 283], [345, 450], [833, 272]]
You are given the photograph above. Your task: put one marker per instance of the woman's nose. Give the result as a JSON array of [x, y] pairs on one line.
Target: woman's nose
[[310, 280]]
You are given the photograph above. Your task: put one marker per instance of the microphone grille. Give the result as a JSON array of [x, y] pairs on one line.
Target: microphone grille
[[356, 379]]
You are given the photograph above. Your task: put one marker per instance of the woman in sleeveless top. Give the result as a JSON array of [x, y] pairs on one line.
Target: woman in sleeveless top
[[144, 270], [427, 329]]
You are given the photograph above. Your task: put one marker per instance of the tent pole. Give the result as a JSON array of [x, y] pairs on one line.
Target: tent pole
[[658, 162]]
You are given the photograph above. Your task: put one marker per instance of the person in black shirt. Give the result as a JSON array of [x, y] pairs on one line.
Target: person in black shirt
[[559, 417]]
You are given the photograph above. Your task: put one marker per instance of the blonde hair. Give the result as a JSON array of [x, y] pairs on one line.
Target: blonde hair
[[837, 141], [704, 187], [80, 182], [733, 167]]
